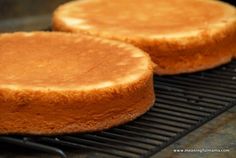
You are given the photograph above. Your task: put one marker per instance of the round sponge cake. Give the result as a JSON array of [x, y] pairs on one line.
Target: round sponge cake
[[55, 83], [180, 36]]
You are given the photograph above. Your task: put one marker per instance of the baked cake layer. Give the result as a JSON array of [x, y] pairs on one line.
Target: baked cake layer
[[180, 36], [55, 83]]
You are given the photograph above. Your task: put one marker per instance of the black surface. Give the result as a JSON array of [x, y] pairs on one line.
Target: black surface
[[26, 15], [233, 2], [184, 103]]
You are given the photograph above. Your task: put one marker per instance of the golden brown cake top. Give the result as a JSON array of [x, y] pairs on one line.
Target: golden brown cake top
[[64, 61], [145, 18]]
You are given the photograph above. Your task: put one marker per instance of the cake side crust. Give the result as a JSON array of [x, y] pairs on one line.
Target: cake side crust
[[49, 113]]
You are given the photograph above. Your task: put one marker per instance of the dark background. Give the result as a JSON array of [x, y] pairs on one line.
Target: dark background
[[231, 1]]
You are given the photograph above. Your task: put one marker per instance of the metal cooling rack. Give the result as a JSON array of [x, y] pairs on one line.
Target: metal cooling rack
[[184, 103]]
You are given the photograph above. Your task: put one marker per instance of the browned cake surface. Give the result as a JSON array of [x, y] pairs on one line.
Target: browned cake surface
[[53, 83], [180, 35]]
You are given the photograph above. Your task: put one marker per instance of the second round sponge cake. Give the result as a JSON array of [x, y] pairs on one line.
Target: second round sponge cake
[[180, 36], [54, 83]]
